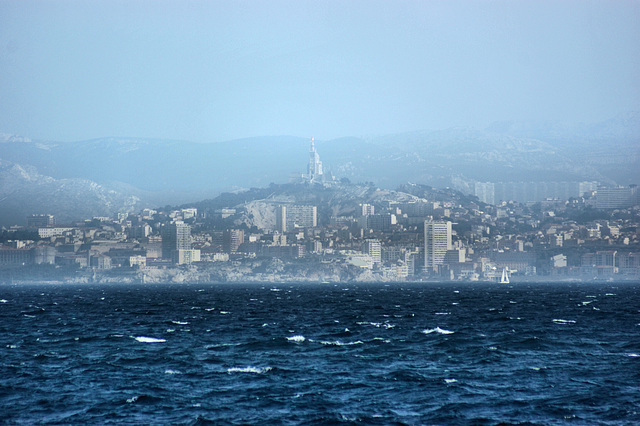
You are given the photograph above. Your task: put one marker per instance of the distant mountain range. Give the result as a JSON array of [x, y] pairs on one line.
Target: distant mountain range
[[24, 191], [75, 180]]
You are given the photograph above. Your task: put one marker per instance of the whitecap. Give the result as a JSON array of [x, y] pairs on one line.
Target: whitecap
[[224, 312], [144, 339], [449, 381], [456, 291], [339, 343], [633, 355], [564, 321], [210, 309], [587, 302], [12, 346], [455, 303], [297, 338], [250, 369], [377, 324], [171, 330], [437, 330], [442, 313], [180, 322], [132, 400], [3, 301], [610, 294], [172, 372]]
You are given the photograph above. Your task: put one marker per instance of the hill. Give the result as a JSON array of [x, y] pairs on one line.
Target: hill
[[159, 172]]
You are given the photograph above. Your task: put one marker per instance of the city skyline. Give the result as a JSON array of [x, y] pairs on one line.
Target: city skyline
[[317, 226]]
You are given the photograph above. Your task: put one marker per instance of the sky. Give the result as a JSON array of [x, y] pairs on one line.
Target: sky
[[209, 71]]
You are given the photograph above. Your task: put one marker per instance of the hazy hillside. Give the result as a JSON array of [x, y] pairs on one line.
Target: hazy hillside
[[178, 170], [24, 191], [612, 147], [160, 172]]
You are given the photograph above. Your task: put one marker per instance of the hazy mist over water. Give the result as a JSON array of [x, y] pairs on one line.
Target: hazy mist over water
[[214, 71]]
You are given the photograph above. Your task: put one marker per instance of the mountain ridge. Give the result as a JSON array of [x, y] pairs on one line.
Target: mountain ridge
[[161, 171]]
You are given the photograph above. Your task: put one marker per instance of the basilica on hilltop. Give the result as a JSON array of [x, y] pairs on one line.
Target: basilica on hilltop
[[315, 172]]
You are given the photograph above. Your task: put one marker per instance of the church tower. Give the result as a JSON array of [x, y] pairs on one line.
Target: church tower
[[314, 171]]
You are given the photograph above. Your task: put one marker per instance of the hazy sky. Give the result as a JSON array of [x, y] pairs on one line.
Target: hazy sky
[[213, 70]]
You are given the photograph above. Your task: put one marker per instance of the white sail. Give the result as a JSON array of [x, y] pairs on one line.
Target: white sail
[[505, 276]]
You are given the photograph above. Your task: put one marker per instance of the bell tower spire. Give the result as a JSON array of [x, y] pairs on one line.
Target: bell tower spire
[[315, 165]]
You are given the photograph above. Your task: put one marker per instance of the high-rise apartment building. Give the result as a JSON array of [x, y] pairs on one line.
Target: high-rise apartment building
[[38, 220], [232, 239], [492, 193], [374, 249], [437, 240], [293, 216], [485, 191], [366, 209], [175, 236], [616, 198]]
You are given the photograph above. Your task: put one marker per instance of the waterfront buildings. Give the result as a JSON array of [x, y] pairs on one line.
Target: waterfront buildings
[[320, 230], [373, 248]]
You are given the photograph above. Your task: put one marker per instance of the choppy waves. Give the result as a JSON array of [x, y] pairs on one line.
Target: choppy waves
[[367, 354]]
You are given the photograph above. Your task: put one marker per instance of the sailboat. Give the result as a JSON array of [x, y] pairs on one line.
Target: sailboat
[[505, 276]]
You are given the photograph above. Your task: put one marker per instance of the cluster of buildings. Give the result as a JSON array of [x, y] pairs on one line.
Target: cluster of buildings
[[416, 234], [389, 240], [600, 197]]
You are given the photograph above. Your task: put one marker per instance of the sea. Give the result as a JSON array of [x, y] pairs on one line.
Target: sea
[[379, 354]]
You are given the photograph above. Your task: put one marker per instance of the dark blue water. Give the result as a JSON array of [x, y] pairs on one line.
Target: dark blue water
[[299, 354]]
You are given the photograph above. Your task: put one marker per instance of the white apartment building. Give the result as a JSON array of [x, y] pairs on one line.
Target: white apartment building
[[437, 240]]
